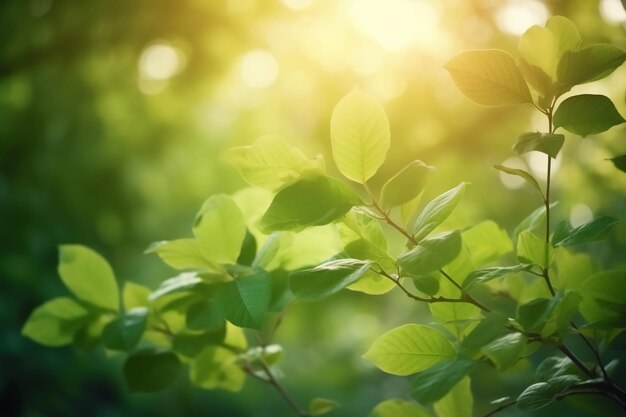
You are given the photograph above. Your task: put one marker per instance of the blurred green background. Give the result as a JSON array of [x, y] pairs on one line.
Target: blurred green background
[[113, 115]]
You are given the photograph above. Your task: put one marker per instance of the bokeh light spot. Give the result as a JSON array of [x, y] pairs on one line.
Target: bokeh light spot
[[258, 69], [612, 11], [516, 16], [580, 214], [538, 163], [160, 61]]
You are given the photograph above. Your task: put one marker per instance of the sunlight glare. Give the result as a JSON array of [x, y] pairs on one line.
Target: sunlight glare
[[612, 12], [580, 214], [538, 163], [395, 24], [258, 68], [297, 4], [516, 16]]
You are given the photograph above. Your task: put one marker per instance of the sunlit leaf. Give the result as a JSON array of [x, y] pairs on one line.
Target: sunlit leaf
[[89, 276], [437, 211], [271, 162], [405, 185], [532, 249], [431, 254], [185, 281], [396, 407], [597, 229], [459, 402], [321, 406], [520, 173], [489, 77], [486, 242], [217, 368], [360, 137], [487, 274], [409, 349], [56, 322], [550, 144], [327, 278], [135, 295], [309, 202], [587, 114], [181, 254]]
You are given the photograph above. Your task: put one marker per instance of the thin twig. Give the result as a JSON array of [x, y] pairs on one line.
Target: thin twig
[[281, 390], [502, 407]]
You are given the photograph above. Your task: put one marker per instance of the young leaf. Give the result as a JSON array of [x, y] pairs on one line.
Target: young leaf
[[181, 254], [405, 185], [550, 144], [245, 300], [185, 281], [125, 332], [486, 242], [437, 211], [489, 329], [587, 114], [56, 322], [505, 351], [217, 367], [327, 278], [589, 64], [321, 406], [533, 220], [435, 382], [543, 393], [620, 162], [408, 349], [220, 229], [489, 77], [531, 249], [431, 254], [150, 371], [596, 229], [89, 276], [309, 202], [396, 408], [271, 162], [359, 134], [459, 402], [487, 274], [520, 173]]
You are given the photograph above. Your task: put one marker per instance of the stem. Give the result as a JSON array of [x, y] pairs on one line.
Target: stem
[[281, 390], [576, 361], [502, 407]]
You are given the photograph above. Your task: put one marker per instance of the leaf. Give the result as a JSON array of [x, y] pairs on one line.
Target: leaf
[[309, 202], [489, 77], [431, 254], [89, 276], [125, 332], [587, 114], [489, 329], [547, 143], [435, 382], [486, 242], [533, 315], [606, 286], [247, 252], [531, 249], [245, 300], [321, 406], [589, 64], [270, 354], [505, 351], [217, 367], [405, 185], [437, 211], [520, 173], [533, 220], [487, 274], [180, 254], [327, 278], [135, 295], [620, 162], [185, 281], [408, 349], [204, 315], [271, 163], [554, 366], [150, 370], [595, 230], [56, 322], [359, 136], [459, 402], [541, 394], [191, 344], [219, 229], [399, 408], [372, 282], [426, 284]]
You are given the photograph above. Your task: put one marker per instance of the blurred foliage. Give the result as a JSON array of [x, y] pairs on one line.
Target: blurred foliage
[[113, 116]]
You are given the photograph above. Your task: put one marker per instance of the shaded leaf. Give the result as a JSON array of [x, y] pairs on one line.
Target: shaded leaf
[[459, 402], [541, 394], [589, 64], [125, 332], [587, 114], [435, 382], [245, 300], [217, 367], [505, 351], [550, 144], [620, 162], [532, 249], [489, 329], [204, 315], [487, 274], [606, 286], [405, 185], [520, 173], [554, 366], [597, 229]]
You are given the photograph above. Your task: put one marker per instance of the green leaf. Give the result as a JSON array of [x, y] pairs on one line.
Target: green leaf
[[150, 371], [459, 402], [589, 64], [396, 408], [321, 406], [620, 162], [534, 314], [135, 295], [405, 185], [487, 274], [435, 382], [220, 229], [533, 220], [217, 367], [89, 276], [125, 332], [489, 77], [548, 143], [437, 211], [271, 163], [595, 230], [486, 242], [587, 114], [359, 135], [185, 281], [532, 249], [248, 250], [606, 286], [372, 282], [505, 351], [309, 202], [204, 315], [408, 349], [541, 394], [426, 284], [431, 254], [245, 300], [520, 173], [191, 344], [180, 254], [56, 322], [327, 278], [554, 366], [488, 330]]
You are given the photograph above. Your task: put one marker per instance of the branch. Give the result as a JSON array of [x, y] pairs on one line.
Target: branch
[[502, 407]]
